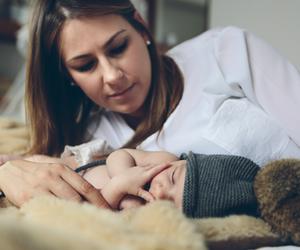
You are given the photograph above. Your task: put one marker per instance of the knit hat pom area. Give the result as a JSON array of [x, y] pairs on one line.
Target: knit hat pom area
[[219, 185]]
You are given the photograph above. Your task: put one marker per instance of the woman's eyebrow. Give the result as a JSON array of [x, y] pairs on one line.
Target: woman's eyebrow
[[107, 43], [110, 40]]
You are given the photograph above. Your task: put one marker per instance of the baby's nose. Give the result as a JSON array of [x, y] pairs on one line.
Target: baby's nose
[[158, 191]]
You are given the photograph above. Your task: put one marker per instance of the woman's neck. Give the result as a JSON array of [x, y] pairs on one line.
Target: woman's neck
[[132, 121]]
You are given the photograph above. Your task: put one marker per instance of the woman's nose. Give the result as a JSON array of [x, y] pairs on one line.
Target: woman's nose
[[111, 73]]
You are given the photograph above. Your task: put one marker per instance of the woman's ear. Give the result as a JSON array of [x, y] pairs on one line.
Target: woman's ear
[[141, 20]]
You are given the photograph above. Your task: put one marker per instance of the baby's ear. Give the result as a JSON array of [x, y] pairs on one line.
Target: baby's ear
[[277, 188]]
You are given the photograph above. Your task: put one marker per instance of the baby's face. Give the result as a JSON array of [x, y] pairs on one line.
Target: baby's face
[[169, 184]]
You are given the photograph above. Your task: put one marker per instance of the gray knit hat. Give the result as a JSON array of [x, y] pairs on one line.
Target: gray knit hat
[[219, 185]]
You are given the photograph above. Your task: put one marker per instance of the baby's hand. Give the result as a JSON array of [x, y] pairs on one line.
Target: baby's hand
[[134, 179], [131, 182]]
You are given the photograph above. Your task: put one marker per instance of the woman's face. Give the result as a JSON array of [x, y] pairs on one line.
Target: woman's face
[[109, 60]]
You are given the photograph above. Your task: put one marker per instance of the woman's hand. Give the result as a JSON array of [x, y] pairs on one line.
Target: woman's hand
[[131, 182], [69, 161], [5, 158], [33, 158], [22, 180]]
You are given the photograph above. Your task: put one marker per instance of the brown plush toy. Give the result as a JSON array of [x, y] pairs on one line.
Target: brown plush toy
[[277, 188]]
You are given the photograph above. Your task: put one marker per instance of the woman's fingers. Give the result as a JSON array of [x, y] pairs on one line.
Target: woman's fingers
[[85, 189], [19, 197], [60, 188], [48, 177]]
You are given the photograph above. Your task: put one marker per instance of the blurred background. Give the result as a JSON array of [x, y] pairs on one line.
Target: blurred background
[[171, 22]]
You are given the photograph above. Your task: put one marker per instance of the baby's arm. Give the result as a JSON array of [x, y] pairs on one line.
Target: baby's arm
[[97, 176], [118, 161], [122, 159]]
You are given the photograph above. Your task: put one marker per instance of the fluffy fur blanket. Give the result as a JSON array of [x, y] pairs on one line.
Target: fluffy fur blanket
[[51, 223], [13, 137]]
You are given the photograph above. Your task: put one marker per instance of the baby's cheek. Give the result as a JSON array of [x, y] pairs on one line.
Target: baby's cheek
[[178, 199], [131, 202], [178, 204]]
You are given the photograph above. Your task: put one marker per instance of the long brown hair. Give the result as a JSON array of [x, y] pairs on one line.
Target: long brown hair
[[58, 112]]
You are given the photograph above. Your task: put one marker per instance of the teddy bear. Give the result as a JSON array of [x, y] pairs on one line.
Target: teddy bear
[[277, 189]]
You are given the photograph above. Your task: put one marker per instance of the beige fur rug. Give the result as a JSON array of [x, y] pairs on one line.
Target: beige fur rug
[[13, 137], [50, 223]]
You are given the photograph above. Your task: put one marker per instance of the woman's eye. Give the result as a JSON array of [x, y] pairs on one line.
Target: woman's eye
[[119, 49], [85, 67]]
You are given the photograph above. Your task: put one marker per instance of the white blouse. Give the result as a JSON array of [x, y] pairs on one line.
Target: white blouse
[[240, 97]]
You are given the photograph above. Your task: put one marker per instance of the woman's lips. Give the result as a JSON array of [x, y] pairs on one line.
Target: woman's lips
[[121, 93]]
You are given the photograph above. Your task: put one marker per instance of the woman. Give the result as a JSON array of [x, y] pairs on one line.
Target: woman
[[94, 75]]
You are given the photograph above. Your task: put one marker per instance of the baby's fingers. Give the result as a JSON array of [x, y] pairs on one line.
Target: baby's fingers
[[145, 195], [155, 170]]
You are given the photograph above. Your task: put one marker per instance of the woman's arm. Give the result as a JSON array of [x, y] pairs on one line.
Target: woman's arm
[[276, 83], [263, 75]]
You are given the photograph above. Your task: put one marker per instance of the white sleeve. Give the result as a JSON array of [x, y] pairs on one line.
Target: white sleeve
[[265, 77], [87, 152]]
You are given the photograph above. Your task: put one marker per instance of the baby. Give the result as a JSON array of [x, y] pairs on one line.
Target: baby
[[199, 185]]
